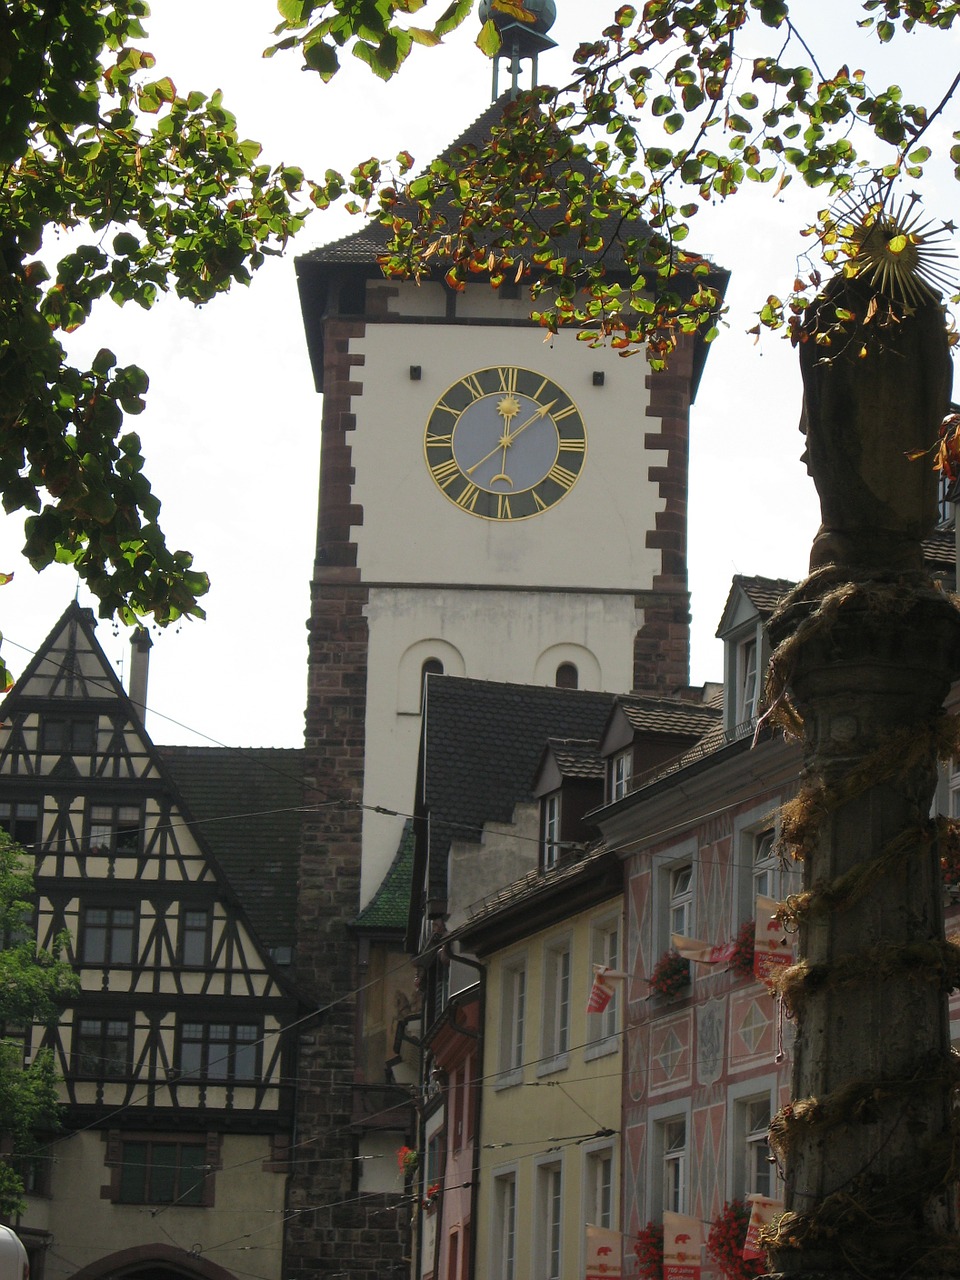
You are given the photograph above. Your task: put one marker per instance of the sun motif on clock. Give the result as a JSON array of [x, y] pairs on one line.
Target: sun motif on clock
[[505, 443]]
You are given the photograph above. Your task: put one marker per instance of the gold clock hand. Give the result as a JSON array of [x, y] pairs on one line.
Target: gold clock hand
[[508, 438]]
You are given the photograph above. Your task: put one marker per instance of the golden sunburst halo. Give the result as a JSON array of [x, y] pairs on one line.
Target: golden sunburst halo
[[508, 407], [889, 246]]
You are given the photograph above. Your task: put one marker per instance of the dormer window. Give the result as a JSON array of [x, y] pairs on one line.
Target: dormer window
[[747, 680], [621, 772], [550, 831]]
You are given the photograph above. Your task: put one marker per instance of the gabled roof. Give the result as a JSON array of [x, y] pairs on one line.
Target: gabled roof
[[576, 757], [763, 593], [668, 716], [362, 249], [365, 246], [243, 804], [480, 744], [247, 805]]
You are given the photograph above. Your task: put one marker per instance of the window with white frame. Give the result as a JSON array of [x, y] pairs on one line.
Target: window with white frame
[[953, 788], [505, 1226], [598, 1187], [621, 772], [747, 680], [556, 1001], [752, 1171], [605, 950], [550, 1220], [681, 900], [513, 1000], [672, 1149], [550, 831], [759, 867], [766, 868]]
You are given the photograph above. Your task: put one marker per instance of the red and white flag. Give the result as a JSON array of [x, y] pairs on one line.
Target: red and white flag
[[601, 993], [763, 1211], [604, 1254], [682, 1246], [772, 945], [702, 952]]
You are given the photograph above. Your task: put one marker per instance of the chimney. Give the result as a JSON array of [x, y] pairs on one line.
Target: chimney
[[140, 646]]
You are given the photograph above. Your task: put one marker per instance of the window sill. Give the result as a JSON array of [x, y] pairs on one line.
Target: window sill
[[601, 1048], [507, 1079], [559, 1062]]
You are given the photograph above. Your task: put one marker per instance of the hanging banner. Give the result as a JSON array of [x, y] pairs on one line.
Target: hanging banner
[[682, 1246], [604, 1254], [772, 945], [701, 952], [601, 993], [763, 1211]]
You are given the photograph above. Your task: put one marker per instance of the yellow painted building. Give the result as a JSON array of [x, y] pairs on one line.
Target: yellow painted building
[[550, 1104]]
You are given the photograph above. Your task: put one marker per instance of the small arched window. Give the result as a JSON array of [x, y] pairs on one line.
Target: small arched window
[[432, 667], [567, 676]]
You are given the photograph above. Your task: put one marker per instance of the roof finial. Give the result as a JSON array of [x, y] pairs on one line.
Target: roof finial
[[519, 40]]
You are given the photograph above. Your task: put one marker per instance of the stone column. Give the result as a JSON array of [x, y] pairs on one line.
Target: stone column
[[868, 650], [868, 1143]]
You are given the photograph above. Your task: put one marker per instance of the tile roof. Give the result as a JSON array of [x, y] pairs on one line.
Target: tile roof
[[247, 802], [368, 243], [480, 747], [763, 593], [390, 905], [660, 715], [577, 757]]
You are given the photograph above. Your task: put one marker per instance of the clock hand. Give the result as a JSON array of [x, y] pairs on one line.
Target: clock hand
[[508, 437]]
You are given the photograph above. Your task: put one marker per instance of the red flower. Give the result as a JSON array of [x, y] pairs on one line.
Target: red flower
[[649, 1250], [670, 975], [725, 1243]]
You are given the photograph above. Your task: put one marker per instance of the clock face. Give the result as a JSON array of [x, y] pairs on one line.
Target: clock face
[[505, 443]]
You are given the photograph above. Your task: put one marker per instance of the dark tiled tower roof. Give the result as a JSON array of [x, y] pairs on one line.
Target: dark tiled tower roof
[[484, 741]]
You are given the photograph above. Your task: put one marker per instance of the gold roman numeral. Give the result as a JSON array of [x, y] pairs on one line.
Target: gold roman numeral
[[468, 499], [435, 441], [564, 413], [445, 472], [539, 391], [541, 505], [472, 384], [508, 378], [571, 446], [561, 476], [441, 404], [503, 507]]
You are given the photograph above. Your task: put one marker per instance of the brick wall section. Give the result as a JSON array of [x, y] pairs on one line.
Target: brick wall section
[[329, 1232], [661, 651]]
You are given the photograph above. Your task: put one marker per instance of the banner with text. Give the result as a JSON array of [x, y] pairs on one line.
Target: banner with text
[[682, 1246], [772, 945], [763, 1211]]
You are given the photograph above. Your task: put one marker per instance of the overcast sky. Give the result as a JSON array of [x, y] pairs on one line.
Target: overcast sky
[[231, 431]]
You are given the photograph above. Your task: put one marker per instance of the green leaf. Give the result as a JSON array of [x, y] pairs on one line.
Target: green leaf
[[488, 41]]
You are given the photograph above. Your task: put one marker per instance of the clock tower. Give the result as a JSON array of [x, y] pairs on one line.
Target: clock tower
[[493, 505]]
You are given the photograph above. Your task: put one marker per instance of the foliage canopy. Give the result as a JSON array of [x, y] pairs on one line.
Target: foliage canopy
[[34, 986], [677, 104], [156, 191]]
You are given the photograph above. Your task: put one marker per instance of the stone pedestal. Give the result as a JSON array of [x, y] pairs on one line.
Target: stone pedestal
[[867, 1142]]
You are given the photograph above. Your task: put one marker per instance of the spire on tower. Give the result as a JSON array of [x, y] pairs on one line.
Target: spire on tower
[[519, 40]]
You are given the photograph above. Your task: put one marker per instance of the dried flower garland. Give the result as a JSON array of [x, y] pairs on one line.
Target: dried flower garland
[[670, 975], [868, 1222], [728, 1231]]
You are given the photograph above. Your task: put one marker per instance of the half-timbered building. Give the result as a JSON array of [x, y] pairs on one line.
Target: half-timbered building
[[177, 1055]]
